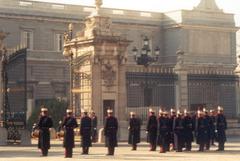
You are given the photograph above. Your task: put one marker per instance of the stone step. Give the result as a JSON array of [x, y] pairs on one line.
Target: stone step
[[233, 132], [233, 123]]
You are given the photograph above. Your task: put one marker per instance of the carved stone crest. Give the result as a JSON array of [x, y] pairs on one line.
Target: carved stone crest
[[108, 74]]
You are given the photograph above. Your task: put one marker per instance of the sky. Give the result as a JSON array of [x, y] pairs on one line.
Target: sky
[[229, 6]]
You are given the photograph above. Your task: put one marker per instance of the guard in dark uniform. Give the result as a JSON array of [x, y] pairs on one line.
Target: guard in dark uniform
[[163, 131], [221, 127], [110, 132], [94, 127], [45, 122], [152, 130], [213, 127], [85, 132], [171, 120], [201, 130], [188, 125], [69, 124], [178, 131], [209, 128], [134, 131]]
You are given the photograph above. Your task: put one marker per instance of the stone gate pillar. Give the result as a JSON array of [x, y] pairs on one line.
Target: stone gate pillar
[[3, 131], [99, 56], [181, 89], [237, 73]]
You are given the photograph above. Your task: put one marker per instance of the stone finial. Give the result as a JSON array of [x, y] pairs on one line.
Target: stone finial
[[209, 5], [238, 61], [180, 54], [237, 70], [98, 4], [3, 35]]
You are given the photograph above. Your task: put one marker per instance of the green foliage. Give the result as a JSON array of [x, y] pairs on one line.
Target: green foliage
[[56, 110]]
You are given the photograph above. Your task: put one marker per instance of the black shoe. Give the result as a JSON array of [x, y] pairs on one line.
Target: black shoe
[[109, 154], [67, 157], [219, 150]]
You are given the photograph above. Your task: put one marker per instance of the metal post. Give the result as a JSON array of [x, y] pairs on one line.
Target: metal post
[[71, 83], [145, 58], [146, 101]]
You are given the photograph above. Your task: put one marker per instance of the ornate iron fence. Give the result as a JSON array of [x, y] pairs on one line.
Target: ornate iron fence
[[14, 80]]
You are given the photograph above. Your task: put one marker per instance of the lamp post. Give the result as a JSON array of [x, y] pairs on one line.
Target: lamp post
[[68, 36], [145, 58]]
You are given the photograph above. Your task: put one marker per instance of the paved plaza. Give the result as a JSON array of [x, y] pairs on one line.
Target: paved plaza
[[123, 152]]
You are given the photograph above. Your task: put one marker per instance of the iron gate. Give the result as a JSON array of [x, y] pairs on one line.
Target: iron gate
[[14, 93], [213, 90]]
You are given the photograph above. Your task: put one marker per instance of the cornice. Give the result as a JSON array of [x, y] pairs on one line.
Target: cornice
[[39, 18], [203, 27]]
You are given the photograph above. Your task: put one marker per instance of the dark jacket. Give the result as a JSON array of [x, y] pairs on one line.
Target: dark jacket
[[178, 128], [188, 125], [134, 131], [212, 127], [163, 130], [221, 127], [201, 130], [43, 125], [85, 131], [110, 131], [68, 125], [94, 129], [152, 129]]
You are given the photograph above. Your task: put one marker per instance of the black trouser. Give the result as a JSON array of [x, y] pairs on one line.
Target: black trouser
[[221, 145], [85, 150], [68, 152], [188, 145], [201, 147], [44, 151], [111, 150], [208, 145], [212, 141], [134, 146], [179, 146], [153, 146]]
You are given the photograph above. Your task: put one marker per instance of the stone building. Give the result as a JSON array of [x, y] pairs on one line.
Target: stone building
[[195, 68]]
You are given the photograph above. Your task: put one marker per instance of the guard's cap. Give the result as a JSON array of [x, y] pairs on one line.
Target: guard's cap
[[151, 110], [161, 111], [220, 108], [44, 109], [172, 110], [132, 113], [165, 113], [179, 112], [69, 111]]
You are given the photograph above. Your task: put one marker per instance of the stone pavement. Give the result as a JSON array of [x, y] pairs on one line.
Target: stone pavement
[[123, 153]]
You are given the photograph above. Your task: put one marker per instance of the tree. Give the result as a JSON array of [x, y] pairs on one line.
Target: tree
[[56, 110]]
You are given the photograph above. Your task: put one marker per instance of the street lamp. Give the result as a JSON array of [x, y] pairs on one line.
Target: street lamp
[[68, 36], [145, 58]]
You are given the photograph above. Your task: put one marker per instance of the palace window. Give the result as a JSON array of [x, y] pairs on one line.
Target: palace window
[[59, 42], [27, 39]]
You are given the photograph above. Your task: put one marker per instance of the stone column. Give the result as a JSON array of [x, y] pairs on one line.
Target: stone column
[[237, 72], [182, 90], [182, 82]]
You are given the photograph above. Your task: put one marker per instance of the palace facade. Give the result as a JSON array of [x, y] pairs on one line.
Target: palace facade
[[196, 66]]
